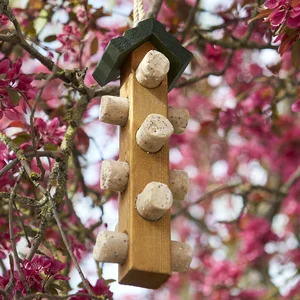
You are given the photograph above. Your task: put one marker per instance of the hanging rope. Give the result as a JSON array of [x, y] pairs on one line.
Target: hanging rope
[[138, 12]]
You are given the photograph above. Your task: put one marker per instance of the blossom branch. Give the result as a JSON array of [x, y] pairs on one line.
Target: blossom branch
[[49, 296], [291, 181], [276, 205], [33, 137], [244, 189], [11, 283], [190, 19], [57, 196], [11, 232], [48, 153], [69, 249]]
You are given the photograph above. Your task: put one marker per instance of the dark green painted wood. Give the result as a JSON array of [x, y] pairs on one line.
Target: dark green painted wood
[[117, 51]]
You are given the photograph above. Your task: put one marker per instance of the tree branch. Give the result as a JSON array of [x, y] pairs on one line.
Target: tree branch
[[54, 297], [69, 249], [190, 19], [215, 73], [11, 283], [53, 154], [154, 11], [231, 44], [24, 200], [11, 231]]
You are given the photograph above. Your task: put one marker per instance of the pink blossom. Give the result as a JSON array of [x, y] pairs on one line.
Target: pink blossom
[[5, 155], [3, 20], [228, 118], [82, 15], [220, 274], [52, 90], [296, 106], [291, 205], [51, 132], [76, 246], [283, 16], [278, 16], [272, 3], [13, 81], [215, 55], [213, 51], [294, 18], [255, 235], [35, 271], [70, 40], [99, 289]]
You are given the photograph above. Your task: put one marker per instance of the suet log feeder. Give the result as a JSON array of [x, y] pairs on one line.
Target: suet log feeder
[[149, 61]]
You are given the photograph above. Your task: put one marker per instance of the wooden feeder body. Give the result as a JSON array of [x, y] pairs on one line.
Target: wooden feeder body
[[148, 262]]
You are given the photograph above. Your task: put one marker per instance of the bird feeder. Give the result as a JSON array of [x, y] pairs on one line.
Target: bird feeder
[[149, 61]]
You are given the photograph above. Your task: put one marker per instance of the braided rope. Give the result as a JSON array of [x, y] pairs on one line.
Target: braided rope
[[138, 11]]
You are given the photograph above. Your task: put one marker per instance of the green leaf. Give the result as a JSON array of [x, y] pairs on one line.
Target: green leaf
[[94, 46], [21, 138], [50, 38], [14, 96], [296, 55], [50, 146], [57, 287], [109, 281], [51, 290]]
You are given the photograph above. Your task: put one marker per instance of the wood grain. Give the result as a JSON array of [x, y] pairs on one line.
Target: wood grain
[[148, 262]]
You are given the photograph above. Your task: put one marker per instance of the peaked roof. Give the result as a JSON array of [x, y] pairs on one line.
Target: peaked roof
[[118, 49]]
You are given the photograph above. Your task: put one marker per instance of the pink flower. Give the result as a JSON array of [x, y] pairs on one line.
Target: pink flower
[[255, 235], [214, 54], [13, 84], [278, 16], [76, 246], [37, 272], [228, 118], [32, 277], [272, 3], [50, 132], [100, 289], [220, 274], [294, 18], [296, 106], [70, 40], [3, 20], [81, 15]]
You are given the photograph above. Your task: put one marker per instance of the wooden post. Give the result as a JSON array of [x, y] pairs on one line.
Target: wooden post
[[148, 261]]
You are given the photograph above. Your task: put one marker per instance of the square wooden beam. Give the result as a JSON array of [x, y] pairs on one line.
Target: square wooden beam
[[148, 262]]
